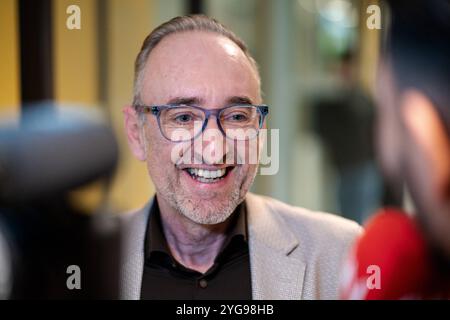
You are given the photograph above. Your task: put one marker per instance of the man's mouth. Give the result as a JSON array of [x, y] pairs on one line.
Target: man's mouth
[[207, 175]]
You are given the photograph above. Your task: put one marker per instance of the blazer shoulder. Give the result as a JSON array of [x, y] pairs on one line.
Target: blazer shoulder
[[314, 226]]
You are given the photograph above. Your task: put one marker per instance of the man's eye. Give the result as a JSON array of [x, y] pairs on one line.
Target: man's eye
[[183, 118], [238, 117]]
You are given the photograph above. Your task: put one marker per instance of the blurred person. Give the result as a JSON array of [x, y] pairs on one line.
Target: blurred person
[[203, 235], [344, 120], [413, 129]]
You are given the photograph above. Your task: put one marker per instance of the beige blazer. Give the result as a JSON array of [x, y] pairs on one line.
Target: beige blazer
[[294, 253]]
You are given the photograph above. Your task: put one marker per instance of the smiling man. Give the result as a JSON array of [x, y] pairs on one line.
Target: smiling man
[[196, 115]]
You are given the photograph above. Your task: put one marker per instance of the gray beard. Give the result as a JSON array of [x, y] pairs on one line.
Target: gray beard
[[206, 212], [203, 212]]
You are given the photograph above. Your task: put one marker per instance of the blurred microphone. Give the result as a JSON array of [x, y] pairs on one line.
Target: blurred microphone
[[54, 149], [44, 233], [390, 261]]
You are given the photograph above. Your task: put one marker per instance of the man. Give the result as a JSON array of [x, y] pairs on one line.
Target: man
[[343, 119], [203, 236], [414, 145]]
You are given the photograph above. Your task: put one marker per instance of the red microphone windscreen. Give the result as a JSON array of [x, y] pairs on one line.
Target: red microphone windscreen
[[389, 261]]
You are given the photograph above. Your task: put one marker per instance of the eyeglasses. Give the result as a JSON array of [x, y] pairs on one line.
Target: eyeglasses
[[179, 123]]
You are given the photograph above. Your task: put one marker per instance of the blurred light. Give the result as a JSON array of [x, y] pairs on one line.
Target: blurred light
[[340, 12], [308, 5]]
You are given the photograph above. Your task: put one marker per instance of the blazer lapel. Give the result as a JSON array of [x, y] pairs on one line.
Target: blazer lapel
[[275, 273]]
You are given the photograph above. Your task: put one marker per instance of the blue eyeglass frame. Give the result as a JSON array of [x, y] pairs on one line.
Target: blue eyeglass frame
[[156, 111]]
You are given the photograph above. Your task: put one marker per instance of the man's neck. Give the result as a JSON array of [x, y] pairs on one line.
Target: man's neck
[[194, 245]]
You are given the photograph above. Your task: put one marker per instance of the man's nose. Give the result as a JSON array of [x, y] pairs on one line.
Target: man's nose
[[213, 143]]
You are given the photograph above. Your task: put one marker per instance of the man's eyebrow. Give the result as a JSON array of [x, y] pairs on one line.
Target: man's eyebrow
[[185, 100], [239, 100], [198, 101]]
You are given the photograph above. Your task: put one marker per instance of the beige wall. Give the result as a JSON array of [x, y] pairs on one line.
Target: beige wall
[[9, 57], [128, 24], [77, 55], [369, 41]]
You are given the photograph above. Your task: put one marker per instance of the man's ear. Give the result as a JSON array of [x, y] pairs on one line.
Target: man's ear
[[427, 130], [133, 131]]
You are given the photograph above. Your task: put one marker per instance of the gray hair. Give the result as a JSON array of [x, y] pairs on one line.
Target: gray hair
[[176, 25]]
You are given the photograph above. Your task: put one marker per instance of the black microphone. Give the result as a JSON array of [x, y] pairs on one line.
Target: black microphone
[[44, 235], [54, 149]]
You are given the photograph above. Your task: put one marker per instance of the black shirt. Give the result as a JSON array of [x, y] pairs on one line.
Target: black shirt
[[166, 278]]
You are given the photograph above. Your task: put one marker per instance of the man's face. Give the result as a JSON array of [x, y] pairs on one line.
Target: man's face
[[209, 71]]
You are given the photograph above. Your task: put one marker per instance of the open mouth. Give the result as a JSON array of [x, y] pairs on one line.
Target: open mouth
[[208, 176]]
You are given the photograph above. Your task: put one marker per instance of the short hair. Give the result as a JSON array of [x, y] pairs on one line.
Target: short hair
[[177, 25], [418, 47]]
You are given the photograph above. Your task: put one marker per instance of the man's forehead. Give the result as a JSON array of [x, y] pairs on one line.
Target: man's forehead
[[192, 43], [204, 63]]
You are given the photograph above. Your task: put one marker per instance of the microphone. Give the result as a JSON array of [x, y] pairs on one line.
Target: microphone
[[390, 261], [45, 236], [54, 149]]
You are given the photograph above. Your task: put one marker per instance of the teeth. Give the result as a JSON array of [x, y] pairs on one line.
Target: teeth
[[207, 174]]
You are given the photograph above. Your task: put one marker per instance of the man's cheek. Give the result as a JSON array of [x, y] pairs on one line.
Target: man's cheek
[[245, 177], [158, 155]]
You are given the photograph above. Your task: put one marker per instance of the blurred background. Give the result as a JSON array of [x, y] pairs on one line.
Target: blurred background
[[317, 60]]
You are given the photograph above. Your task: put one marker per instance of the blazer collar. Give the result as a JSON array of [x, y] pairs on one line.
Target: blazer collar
[[276, 273], [268, 227]]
